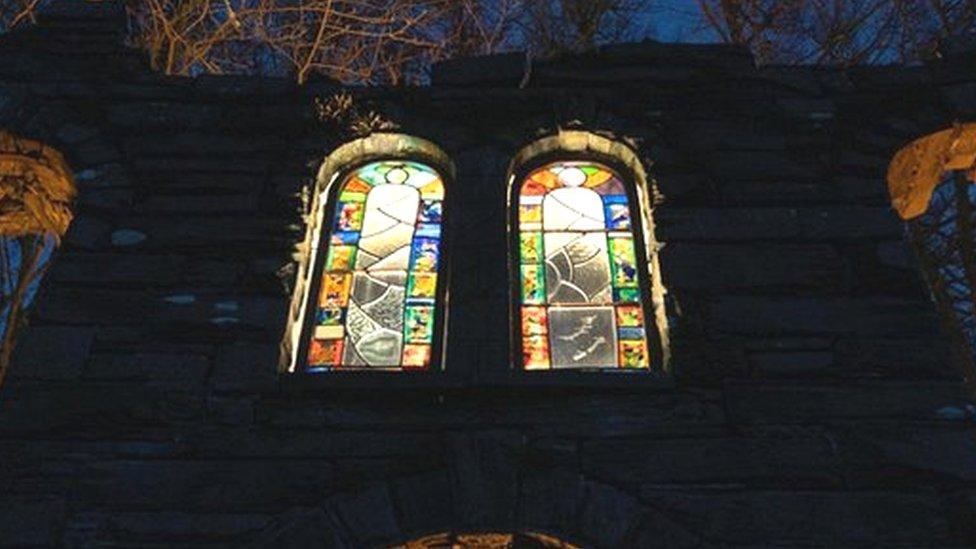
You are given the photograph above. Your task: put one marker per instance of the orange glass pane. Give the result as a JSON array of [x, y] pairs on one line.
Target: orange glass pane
[[534, 321], [535, 352], [633, 354], [422, 285], [596, 177], [357, 185], [546, 178], [433, 190], [335, 290], [630, 315], [325, 352], [416, 356], [532, 188]]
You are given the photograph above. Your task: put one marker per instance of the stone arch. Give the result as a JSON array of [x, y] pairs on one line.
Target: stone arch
[[930, 182], [552, 504], [376, 146], [67, 153], [623, 157]]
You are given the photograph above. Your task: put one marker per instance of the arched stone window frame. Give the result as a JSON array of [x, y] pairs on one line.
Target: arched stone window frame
[[38, 189], [331, 175], [622, 158], [917, 176]]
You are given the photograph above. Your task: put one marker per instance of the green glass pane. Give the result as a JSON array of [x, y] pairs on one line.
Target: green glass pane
[[341, 258], [351, 196], [418, 326], [375, 173], [530, 245], [533, 284], [624, 262], [626, 295]]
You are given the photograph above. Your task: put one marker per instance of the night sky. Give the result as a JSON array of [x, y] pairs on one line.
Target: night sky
[[676, 21]]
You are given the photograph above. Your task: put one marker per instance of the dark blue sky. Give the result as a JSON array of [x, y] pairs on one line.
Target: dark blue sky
[[676, 21]]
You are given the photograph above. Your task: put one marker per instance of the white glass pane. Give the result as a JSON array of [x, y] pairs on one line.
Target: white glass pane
[[573, 209], [577, 268], [391, 211], [375, 318], [582, 337]]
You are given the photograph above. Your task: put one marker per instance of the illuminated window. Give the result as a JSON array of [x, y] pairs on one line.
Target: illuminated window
[[582, 290], [376, 293], [36, 191], [931, 184]]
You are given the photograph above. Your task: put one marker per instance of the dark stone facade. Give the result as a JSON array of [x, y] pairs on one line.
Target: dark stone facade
[[813, 402]]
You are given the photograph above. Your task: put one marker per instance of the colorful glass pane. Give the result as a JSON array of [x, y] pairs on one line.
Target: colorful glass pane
[[376, 304], [578, 273]]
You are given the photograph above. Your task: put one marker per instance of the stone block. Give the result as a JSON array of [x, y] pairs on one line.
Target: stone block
[[90, 409], [423, 504], [484, 478], [607, 515], [119, 270], [51, 352], [175, 527], [238, 486], [246, 366], [31, 520], [179, 369], [507, 68], [868, 316], [799, 403], [888, 455], [799, 518], [720, 268], [769, 461], [793, 363], [300, 527], [367, 515]]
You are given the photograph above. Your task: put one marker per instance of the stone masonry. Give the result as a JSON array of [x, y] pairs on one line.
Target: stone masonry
[[813, 400]]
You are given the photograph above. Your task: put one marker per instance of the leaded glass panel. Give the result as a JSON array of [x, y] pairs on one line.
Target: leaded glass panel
[[376, 305], [579, 281]]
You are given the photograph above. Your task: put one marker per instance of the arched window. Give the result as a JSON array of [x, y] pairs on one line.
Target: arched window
[[931, 183], [581, 277], [36, 191], [377, 281]]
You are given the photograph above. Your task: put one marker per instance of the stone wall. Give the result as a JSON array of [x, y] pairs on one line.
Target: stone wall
[[813, 401]]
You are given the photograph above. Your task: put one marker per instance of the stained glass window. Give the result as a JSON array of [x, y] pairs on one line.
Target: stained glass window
[[581, 302], [377, 299]]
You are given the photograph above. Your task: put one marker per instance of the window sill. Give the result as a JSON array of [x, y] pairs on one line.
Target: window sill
[[445, 382]]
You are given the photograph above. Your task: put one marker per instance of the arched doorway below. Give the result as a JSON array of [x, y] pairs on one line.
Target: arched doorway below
[[453, 540]]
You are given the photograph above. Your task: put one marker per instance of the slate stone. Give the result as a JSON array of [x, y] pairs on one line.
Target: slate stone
[[887, 455], [31, 521], [366, 515], [791, 403], [52, 352], [874, 316], [300, 527], [793, 364], [180, 369], [815, 518], [245, 366], [795, 461], [87, 232], [720, 268], [423, 504], [815, 403]]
